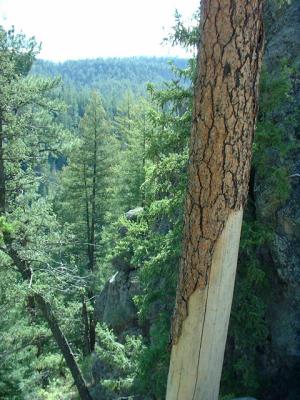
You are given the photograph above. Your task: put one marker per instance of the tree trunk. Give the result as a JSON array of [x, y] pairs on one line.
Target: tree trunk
[[45, 308], [87, 212], [64, 347], [92, 243], [25, 270], [2, 172], [86, 325], [93, 197], [92, 325], [88, 318], [225, 108]]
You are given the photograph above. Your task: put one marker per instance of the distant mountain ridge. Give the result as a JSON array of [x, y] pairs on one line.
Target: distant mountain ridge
[[111, 74]]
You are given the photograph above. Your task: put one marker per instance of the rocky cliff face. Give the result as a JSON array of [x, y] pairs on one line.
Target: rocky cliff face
[[282, 363], [114, 305]]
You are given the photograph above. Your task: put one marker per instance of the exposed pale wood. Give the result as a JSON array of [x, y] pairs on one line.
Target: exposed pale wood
[[197, 358], [225, 108]]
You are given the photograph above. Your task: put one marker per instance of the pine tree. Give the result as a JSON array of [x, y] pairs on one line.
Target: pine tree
[[84, 200], [28, 134], [131, 125]]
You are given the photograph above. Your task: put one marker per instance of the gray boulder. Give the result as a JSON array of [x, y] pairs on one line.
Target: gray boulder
[[132, 215], [115, 306], [244, 398]]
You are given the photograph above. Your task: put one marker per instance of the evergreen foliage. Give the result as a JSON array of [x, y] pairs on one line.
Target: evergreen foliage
[[112, 76], [30, 262], [120, 361], [248, 331], [75, 155]]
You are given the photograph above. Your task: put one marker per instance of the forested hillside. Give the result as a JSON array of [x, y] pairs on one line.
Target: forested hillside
[[93, 175], [112, 76], [94, 73]]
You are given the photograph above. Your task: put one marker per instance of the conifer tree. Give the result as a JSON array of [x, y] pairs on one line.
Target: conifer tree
[[28, 134], [84, 200], [131, 125]]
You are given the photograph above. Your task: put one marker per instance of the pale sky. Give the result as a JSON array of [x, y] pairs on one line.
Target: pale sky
[[74, 29]]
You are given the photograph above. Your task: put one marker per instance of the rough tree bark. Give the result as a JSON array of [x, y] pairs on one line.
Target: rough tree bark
[[225, 108]]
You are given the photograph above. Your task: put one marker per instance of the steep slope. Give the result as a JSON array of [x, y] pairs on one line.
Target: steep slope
[[282, 364]]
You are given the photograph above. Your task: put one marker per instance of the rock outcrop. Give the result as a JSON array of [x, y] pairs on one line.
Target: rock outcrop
[[115, 306], [244, 398], [281, 366]]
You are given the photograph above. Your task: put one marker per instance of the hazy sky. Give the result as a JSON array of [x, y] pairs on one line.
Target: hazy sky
[[72, 29]]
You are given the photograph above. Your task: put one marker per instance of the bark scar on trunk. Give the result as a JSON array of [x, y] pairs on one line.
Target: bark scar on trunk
[[224, 118]]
